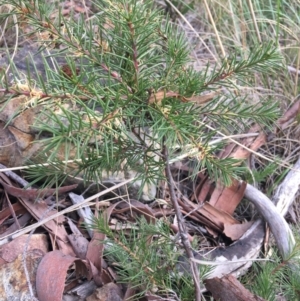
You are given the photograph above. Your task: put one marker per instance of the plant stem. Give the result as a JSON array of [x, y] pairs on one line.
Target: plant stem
[[182, 228]]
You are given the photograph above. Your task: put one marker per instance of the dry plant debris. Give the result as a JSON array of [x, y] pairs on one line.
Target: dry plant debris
[[76, 253]]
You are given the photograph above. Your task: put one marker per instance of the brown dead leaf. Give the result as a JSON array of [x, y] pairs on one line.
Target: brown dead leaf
[[78, 241], [80, 9], [160, 95], [199, 99], [55, 227], [15, 146], [12, 107], [162, 212], [227, 198], [9, 152], [138, 207], [202, 99], [193, 211], [23, 140], [22, 221], [95, 250], [236, 231], [35, 194], [130, 293], [242, 153], [204, 189], [218, 211], [94, 257], [25, 121], [107, 275], [6, 213], [219, 218], [289, 115], [51, 274], [176, 230]]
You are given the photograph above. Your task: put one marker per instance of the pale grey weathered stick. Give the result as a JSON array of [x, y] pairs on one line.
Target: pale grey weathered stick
[[287, 190], [278, 225], [274, 216]]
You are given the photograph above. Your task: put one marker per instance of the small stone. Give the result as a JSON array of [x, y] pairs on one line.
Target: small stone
[[108, 292]]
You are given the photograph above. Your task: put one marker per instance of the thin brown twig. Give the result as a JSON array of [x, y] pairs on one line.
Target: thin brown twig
[[134, 49], [12, 211], [182, 229], [41, 95]]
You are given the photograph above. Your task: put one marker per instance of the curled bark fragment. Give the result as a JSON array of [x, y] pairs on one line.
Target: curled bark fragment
[[51, 275]]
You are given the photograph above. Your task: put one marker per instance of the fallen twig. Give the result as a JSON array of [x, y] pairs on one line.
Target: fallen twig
[[293, 70], [279, 227], [283, 198], [14, 176], [287, 190]]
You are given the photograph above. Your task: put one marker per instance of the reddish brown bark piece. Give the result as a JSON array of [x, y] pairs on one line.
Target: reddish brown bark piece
[[51, 275], [228, 198], [253, 143], [213, 218], [229, 288]]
